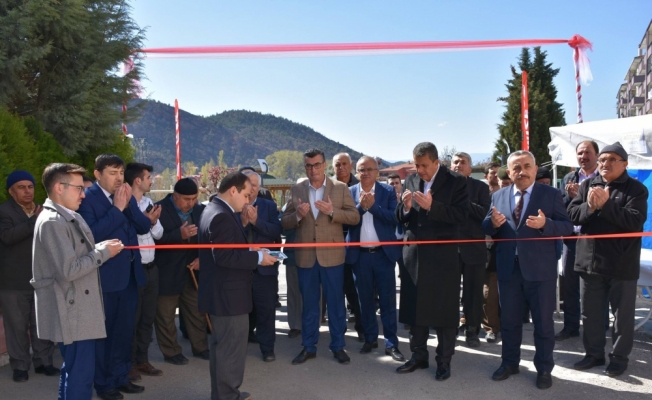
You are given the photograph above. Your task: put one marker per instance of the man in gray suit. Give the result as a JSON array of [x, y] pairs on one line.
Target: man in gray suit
[[66, 281]]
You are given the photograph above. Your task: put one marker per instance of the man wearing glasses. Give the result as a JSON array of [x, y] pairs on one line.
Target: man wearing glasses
[[317, 208], [610, 203]]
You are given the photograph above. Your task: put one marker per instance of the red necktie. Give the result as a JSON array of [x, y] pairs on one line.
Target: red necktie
[[519, 208]]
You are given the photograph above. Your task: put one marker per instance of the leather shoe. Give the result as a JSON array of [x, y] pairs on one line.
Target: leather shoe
[[269, 356], [395, 353], [443, 371], [245, 396], [367, 346], [472, 339], [589, 362], [148, 369], [544, 380], [252, 338], [504, 372], [48, 370], [566, 334], [131, 388], [112, 394], [133, 375], [412, 366], [20, 376], [178, 359], [615, 369], [294, 333], [303, 357], [204, 355], [341, 356]]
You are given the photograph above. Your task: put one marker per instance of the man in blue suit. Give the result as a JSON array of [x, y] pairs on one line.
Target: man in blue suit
[[262, 225], [112, 212], [373, 265], [527, 269]]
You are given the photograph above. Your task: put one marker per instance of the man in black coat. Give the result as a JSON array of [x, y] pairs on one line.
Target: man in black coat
[[608, 204], [434, 203], [180, 215], [473, 256]]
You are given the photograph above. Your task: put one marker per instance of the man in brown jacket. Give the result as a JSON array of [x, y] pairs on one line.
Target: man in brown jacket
[[317, 208]]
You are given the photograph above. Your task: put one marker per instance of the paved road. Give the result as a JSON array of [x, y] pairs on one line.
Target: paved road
[[373, 376]]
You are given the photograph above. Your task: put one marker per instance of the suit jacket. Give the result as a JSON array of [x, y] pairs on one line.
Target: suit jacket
[[108, 222], [537, 258], [383, 212], [16, 236], [68, 294], [471, 228], [172, 271], [266, 230], [226, 274], [320, 228]]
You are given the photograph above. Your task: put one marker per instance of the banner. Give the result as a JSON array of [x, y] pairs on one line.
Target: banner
[[525, 119], [178, 141]]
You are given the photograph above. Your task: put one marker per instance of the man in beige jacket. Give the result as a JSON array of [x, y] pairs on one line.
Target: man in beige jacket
[[317, 208]]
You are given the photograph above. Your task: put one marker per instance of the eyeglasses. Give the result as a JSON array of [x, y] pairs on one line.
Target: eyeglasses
[[314, 166], [79, 188], [604, 161], [366, 170]]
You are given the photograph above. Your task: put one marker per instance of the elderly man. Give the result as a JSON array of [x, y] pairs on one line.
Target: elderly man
[[317, 208], [69, 302], [527, 269], [434, 204], [587, 159], [17, 219], [610, 203], [473, 256], [373, 265], [180, 216]]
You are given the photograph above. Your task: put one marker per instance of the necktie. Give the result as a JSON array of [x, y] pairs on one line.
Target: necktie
[[519, 208]]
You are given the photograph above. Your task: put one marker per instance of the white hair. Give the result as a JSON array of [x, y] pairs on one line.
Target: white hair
[[343, 154], [250, 173], [519, 153], [462, 154]]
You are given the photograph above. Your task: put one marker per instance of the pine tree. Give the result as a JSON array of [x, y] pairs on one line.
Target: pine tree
[[543, 109]]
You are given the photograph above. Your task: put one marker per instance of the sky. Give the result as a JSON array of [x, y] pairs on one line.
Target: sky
[[382, 105]]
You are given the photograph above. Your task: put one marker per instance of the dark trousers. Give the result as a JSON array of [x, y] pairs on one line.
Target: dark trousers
[[228, 352], [540, 296], [622, 296], [264, 299], [570, 288], [145, 316], [295, 303], [445, 343], [491, 321], [472, 296], [332, 282], [78, 370], [375, 272], [19, 320], [352, 297], [113, 353]]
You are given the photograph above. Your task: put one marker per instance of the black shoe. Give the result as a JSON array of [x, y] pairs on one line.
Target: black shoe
[[472, 339], [303, 357], [294, 333], [492, 337], [361, 337], [504, 372], [589, 362], [252, 338], [269, 356], [178, 359], [204, 355], [412, 366], [395, 353], [566, 334], [443, 371], [48, 370], [131, 388], [112, 394], [342, 357], [615, 369], [367, 346], [20, 376], [278, 304], [544, 380]]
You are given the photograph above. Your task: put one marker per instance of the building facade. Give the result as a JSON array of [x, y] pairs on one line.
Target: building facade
[[635, 94]]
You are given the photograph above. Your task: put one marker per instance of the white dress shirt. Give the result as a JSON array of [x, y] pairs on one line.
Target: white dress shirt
[[368, 231], [316, 194], [155, 232]]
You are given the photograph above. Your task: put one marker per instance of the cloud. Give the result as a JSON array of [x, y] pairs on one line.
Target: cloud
[[442, 124]]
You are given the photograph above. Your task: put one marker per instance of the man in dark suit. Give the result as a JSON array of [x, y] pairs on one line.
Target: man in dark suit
[[527, 269], [17, 220], [112, 212], [262, 225], [473, 256], [180, 216], [226, 284], [434, 203], [373, 265]]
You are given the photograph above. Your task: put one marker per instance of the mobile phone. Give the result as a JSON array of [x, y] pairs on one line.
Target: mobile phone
[[149, 208]]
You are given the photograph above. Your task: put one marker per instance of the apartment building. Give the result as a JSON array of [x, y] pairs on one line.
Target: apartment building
[[635, 94]]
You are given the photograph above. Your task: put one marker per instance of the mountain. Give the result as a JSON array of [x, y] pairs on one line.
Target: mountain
[[243, 135]]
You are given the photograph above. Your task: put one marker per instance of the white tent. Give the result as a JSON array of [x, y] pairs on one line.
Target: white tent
[[634, 133]]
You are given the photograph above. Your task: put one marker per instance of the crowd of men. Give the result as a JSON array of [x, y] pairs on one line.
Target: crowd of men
[[80, 270]]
